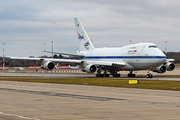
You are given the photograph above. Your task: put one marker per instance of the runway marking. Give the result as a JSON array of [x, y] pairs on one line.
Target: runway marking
[[94, 98], [18, 116]]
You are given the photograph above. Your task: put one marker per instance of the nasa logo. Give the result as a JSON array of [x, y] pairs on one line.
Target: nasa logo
[[80, 37]]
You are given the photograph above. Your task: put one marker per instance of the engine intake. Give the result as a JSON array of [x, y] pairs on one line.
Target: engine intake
[[170, 66], [48, 66], [90, 68], [160, 69]]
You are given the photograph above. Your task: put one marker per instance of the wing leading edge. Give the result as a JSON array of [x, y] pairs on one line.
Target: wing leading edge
[[96, 63]]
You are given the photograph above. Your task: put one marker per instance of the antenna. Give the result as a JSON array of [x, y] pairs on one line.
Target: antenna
[[52, 49]]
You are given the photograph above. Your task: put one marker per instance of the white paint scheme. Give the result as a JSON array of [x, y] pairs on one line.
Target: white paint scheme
[[142, 49], [130, 64], [141, 56]]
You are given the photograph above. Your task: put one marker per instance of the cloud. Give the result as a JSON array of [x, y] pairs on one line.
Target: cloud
[[26, 25]]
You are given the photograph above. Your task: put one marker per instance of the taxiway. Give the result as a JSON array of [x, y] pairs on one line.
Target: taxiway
[[42, 101], [81, 75]]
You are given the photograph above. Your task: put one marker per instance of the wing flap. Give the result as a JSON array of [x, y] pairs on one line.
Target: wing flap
[[105, 63]]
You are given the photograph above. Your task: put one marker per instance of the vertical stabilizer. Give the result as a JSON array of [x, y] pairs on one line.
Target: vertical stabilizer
[[85, 43]]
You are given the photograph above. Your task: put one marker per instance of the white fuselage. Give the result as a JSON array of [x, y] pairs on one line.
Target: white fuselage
[[136, 56]]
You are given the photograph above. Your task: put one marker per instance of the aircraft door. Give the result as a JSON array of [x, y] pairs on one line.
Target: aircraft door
[[137, 55]]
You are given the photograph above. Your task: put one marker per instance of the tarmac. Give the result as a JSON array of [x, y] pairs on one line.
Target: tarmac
[[84, 75], [43, 101]]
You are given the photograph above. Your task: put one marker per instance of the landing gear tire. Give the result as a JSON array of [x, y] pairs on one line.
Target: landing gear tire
[[102, 75], [149, 75], [97, 75], [106, 75], [131, 75], [116, 75]]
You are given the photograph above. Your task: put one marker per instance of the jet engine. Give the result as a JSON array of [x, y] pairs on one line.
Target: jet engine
[[170, 66], [160, 69], [90, 68], [48, 66]]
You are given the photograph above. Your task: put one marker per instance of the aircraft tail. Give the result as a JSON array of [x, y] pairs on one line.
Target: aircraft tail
[[85, 43]]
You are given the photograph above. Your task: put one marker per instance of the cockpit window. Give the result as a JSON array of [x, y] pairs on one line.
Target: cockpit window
[[152, 46]]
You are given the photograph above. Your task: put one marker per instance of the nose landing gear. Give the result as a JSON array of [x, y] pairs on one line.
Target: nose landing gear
[[149, 75]]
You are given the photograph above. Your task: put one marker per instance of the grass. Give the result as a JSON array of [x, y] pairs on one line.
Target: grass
[[177, 65], [144, 84]]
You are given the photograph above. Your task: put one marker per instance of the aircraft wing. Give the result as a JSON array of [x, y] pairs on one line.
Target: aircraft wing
[[24, 58], [97, 63], [49, 59]]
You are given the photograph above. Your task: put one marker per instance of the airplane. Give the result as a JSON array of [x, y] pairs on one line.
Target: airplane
[[19, 68], [109, 61]]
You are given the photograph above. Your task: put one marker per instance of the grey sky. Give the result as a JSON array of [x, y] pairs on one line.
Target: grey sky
[[26, 24]]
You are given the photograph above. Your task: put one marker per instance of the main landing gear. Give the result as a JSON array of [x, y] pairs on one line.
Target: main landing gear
[[115, 74], [104, 74], [131, 75]]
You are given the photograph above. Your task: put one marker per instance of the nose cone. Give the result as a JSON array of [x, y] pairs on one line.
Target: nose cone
[[160, 53]]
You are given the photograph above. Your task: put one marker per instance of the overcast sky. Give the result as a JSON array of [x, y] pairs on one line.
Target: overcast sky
[[25, 25]]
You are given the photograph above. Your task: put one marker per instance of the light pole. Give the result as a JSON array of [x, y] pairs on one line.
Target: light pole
[[52, 49], [3, 56], [45, 49]]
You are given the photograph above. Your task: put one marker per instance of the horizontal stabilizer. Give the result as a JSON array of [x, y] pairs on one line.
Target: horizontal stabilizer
[[64, 54]]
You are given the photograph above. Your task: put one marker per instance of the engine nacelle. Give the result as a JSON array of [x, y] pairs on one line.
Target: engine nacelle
[[90, 68], [160, 69], [48, 66], [170, 66]]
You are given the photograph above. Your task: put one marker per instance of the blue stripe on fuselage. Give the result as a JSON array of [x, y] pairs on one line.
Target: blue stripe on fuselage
[[124, 57]]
